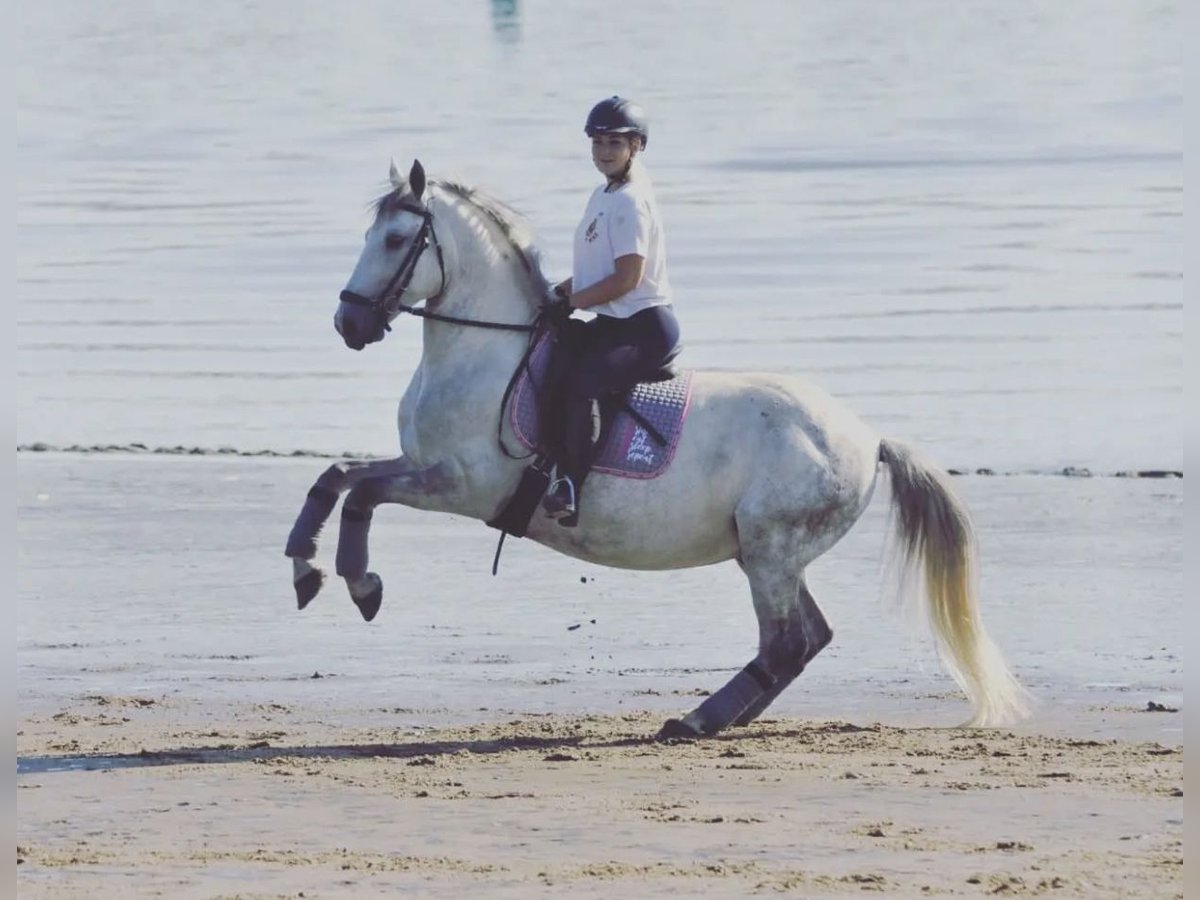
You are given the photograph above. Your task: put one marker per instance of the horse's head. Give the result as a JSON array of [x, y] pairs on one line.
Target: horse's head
[[401, 263]]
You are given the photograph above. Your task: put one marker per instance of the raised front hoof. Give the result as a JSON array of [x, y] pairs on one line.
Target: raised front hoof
[[678, 730], [370, 598], [308, 586]]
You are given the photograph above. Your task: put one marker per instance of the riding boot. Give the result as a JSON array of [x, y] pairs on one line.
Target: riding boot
[[582, 427]]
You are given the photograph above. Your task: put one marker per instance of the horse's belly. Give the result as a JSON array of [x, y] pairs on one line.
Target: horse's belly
[[633, 547], [669, 522], [754, 447]]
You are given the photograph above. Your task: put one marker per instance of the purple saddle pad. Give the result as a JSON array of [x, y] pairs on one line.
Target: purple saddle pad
[[628, 450]]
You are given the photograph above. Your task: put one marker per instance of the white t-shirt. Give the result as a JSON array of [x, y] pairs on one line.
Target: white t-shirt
[[617, 223]]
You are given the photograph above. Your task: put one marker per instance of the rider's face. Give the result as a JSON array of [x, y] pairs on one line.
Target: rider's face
[[612, 152]]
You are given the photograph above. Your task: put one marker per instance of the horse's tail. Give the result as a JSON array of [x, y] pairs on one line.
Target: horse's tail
[[934, 530]]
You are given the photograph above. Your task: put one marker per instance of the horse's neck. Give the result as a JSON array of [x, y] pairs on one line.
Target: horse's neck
[[475, 355], [455, 398], [479, 360], [485, 285]]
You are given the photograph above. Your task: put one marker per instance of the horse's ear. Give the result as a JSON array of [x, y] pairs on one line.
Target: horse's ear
[[395, 177], [416, 179]]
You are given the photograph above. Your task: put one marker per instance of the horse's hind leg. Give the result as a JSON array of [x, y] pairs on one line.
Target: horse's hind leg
[[806, 635], [792, 630]]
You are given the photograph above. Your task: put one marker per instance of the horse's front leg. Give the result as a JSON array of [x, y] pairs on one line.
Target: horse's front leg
[[318, 505], [429, 487]]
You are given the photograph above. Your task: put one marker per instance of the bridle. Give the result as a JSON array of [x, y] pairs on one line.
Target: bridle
[[390, 304]]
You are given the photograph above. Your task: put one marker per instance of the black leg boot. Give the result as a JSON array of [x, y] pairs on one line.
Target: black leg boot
[[582, 421]]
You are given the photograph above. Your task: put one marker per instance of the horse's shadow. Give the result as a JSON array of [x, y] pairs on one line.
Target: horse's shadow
[[414, 750]]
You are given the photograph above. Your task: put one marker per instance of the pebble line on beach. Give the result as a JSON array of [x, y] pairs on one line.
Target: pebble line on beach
[[179, 450]]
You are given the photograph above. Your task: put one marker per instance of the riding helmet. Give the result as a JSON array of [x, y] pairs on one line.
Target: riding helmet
[[616, 115]]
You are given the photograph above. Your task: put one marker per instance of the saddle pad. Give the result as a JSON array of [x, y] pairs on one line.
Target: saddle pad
[[628, 451]]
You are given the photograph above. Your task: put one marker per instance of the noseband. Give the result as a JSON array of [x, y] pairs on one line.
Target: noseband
[[389, 304]]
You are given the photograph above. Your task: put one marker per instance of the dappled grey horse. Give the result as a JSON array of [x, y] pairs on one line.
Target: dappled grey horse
[[769, 471]]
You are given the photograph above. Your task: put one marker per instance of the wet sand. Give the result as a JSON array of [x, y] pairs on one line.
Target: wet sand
[[280, 801], [494, 737]]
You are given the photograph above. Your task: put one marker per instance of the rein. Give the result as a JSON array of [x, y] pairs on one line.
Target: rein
[[522, 366], [455, 320]]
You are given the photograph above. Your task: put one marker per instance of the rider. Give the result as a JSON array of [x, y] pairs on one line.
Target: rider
[[620, 274]]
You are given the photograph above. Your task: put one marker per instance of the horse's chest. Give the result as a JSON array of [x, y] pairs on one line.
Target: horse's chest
[[436, 415]]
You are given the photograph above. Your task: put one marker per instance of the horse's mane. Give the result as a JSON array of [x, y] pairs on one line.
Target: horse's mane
[[510, 222]]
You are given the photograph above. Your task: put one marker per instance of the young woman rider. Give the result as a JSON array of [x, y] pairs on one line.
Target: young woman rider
[[619, 273]]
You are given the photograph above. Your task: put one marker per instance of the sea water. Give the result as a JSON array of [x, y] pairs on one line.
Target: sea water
[[963, 220]]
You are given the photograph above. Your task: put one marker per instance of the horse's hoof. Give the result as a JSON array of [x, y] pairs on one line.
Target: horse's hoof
[[678, 730], [368, 604], [308, 586]]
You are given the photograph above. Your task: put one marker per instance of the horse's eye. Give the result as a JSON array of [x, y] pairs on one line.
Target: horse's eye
[[394, 241]]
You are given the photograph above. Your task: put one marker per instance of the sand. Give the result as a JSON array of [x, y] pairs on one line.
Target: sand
[[173, 742], [272, 800]]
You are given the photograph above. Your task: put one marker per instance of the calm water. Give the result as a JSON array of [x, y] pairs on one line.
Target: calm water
[[963, 218]]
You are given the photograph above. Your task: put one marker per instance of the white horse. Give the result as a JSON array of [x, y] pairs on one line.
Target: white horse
[[769, 471]]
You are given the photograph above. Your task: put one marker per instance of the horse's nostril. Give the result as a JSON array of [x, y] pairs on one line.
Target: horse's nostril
[[349, 332]]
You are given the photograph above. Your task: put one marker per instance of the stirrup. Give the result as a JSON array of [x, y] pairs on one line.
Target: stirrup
[[557, 506]]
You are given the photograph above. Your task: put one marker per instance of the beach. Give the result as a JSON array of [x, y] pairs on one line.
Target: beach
[[280, 801], [179, 739], [966, 225]]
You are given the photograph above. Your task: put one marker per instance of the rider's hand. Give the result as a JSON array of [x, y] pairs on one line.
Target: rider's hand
[[557, 309]]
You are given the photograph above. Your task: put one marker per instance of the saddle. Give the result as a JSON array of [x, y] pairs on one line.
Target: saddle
[[543, 429], [639, 429]]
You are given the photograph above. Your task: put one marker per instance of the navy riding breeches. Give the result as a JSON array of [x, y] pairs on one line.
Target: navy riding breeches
[[615, 355], [618, 353]]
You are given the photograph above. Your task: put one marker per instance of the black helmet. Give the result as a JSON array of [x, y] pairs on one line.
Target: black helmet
[[616, 115]]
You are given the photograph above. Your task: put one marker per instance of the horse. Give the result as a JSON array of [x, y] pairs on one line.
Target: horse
[[770, 471]]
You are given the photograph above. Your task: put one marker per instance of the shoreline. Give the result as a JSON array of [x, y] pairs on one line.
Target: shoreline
[[140, 449]]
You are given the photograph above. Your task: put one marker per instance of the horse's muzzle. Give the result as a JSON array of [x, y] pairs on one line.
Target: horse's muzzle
[[357, 325]]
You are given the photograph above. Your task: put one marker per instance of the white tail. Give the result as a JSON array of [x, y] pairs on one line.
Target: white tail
[[937, 541]]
